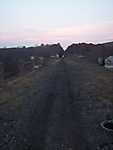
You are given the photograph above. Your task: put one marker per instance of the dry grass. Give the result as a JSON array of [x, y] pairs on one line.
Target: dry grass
[[10, 90], [14, 90], [96, 80]]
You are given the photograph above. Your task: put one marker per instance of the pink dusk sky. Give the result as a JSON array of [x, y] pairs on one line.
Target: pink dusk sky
[[32, 22]]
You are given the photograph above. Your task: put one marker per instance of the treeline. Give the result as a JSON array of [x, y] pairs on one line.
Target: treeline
[[12, 59], [92, 51]]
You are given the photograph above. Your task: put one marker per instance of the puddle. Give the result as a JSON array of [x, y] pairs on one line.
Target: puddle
[[107, 125]]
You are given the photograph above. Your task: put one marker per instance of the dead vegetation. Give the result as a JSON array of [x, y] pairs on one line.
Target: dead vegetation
[[99, 80]]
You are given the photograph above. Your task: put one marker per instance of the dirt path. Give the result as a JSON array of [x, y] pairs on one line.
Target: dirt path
[[61, 111]]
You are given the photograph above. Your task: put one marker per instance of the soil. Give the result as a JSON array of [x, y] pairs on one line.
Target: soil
[[60, 108]]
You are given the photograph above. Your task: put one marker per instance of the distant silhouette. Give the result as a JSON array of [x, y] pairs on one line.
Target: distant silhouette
[[10, 57], [92, 51]]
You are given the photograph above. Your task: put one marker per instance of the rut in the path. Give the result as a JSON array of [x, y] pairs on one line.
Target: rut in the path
[[64, 131], [40, 119]]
